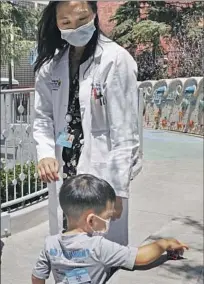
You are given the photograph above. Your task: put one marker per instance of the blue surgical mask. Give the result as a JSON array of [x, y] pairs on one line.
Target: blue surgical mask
[[80, 36], [104, 232]]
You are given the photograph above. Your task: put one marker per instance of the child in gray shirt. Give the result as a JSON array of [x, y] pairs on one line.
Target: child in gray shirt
[[81, 254]]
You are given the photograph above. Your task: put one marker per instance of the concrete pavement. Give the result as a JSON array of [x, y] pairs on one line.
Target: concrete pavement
[[166, 200], [186, 270]]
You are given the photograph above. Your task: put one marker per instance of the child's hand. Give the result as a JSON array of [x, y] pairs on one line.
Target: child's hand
[[174, 245], [151, 252]]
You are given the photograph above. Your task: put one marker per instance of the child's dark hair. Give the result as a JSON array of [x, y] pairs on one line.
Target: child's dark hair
[[84, 192]]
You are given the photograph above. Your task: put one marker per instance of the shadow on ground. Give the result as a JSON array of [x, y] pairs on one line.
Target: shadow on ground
[[190, 268]]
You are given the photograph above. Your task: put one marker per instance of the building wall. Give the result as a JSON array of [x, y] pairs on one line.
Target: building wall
[[4, 71], [106, 11], [28, 4], [24, 73]]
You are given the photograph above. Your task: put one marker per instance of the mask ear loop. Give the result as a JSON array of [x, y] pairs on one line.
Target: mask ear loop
[[102, 219], [107, 222]]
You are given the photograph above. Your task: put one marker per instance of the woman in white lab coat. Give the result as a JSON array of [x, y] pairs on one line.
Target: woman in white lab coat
[[86, 107]]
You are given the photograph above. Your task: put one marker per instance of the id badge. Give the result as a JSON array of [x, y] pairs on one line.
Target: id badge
[[65, 140], [78, 276]]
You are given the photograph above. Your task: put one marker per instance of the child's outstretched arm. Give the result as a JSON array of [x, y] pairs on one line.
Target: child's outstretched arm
[[37, 280], [151, 252]]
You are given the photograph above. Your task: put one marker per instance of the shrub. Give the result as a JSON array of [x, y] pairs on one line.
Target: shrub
[[35, 183]]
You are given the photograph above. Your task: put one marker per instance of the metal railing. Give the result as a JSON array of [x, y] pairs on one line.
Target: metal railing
[[18, 171]]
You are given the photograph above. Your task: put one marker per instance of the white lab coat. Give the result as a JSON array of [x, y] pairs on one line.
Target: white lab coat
[[111, 140]]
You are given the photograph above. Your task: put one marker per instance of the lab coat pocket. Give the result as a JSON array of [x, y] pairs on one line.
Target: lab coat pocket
[[100, 147], [99, 120]]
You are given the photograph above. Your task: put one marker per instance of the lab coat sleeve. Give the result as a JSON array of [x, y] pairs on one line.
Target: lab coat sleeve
[[43, 127], [122, 111]]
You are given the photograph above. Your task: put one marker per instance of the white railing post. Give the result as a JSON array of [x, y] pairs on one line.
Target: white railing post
[[140, 122]]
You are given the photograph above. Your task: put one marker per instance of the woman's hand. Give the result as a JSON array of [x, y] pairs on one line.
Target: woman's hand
[[118, 208], [48, 169]]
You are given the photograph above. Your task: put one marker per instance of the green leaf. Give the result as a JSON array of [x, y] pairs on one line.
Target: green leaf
[[150, 31], [183, 26], [128, 10], [123, 33]]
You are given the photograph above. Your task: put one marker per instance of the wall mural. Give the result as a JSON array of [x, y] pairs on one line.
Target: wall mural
[[174, 104]]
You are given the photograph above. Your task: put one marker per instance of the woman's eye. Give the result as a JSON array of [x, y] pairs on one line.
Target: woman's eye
[[66, 23], [83, 19]]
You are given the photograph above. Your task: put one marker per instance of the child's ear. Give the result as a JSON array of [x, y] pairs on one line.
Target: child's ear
[[90, 219]]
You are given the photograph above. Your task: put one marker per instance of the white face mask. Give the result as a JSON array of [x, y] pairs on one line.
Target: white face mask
[[80, 36], [104, 232]]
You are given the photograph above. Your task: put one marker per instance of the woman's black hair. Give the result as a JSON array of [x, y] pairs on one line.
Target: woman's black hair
[[49, 36]]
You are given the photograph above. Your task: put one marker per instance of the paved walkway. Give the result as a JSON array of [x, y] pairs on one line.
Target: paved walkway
[[166, 200]]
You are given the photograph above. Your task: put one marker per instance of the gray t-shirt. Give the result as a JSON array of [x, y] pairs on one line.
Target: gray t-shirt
[[81, 258]]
